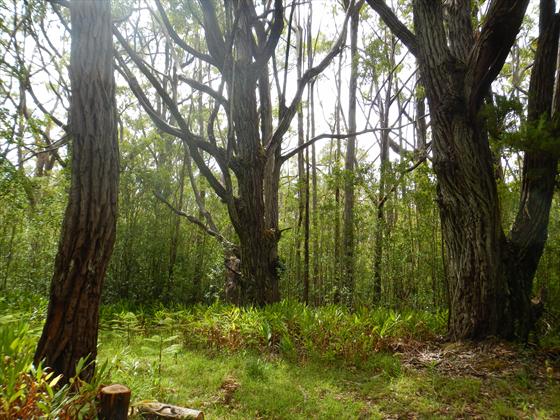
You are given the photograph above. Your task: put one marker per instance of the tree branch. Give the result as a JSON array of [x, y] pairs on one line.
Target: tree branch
[[309, 75], [492, 47], [192, 140], [309, 142], [180, 41], [395, 25], [206, 89], [195, 220], [274, 36]]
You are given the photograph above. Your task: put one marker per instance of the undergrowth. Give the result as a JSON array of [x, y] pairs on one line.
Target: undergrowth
[[288, 329], [286, 360], [32, 392]]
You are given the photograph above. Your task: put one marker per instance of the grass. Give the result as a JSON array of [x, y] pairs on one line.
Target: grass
[[221, 360], [243, 385], [291, 361]]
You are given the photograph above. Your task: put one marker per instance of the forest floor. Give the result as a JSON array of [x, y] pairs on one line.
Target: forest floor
[[408, 380]]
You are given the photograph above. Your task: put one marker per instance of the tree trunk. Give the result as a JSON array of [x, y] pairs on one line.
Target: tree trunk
[[258, 237], [348, 215], [303, 187], [114, 402], [467, 193], [312, 174], [88, 230], [380, 226], [529, 232]]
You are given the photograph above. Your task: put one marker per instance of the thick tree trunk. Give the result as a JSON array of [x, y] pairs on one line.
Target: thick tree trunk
[[258, 237], [88, 230], [529, 232], [471, 228], [480, 301]]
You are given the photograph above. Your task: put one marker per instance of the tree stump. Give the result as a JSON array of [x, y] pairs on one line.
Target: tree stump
[[152, 410], [114, 402]]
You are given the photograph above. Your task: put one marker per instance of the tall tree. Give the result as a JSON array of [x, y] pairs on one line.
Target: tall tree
[[88, 230], [249, 157], [348, 215], [457, 67]]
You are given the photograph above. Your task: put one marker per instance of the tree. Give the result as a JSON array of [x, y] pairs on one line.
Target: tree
[[349, 246], [457, 66], [88, 230], [249, 157]]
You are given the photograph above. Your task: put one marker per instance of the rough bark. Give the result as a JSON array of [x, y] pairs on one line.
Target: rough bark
[[457, 70], [88, 230], [467, 194], [258, 242], [529, 232]]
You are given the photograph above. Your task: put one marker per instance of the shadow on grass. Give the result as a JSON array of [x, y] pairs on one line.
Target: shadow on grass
[[242, 385]]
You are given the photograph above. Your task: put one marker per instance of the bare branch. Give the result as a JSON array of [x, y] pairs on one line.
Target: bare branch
[[196, 221], [309, 75], [308, 143], [397, 27], [180, 42]]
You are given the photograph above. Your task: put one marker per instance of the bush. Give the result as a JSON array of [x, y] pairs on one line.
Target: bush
[[29, 391], [298, 332]]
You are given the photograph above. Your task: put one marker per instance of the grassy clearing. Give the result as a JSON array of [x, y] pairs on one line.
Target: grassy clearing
[[243, 385], [290, 361]]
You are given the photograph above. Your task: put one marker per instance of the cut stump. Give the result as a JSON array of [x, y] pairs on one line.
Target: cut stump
[[114, 401], [155, 410]]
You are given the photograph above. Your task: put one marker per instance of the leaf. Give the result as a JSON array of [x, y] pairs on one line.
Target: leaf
[[15, 396], [55, 381]]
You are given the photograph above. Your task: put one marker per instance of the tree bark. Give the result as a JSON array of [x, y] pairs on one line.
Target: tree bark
[[457, 69], [88, 230], [467, 193], [258, 241], [348, 215], [114, 401], [529, 232]]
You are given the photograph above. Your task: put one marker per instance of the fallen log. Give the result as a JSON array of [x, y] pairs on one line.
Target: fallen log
[[114, 401], [153, 410]]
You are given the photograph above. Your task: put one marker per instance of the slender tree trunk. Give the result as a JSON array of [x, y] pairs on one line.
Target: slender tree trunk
[[348, 216], [88, 231], [317, 282], [303, 208], [380, 226], [529, 232], [337, 245]]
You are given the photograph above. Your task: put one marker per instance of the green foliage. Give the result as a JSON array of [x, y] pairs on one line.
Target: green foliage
[[29, 391], [243, 363], [536, 136], [294, 331], [508, 127]]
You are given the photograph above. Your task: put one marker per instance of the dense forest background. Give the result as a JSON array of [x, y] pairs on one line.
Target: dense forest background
[[160, 255], [280, 208]]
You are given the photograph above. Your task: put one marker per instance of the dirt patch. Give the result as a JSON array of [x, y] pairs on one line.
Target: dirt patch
[[228, 388], [485, 359]]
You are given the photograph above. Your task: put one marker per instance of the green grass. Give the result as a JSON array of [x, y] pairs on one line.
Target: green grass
[[242, 384], [278, 389], [288, 361]]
